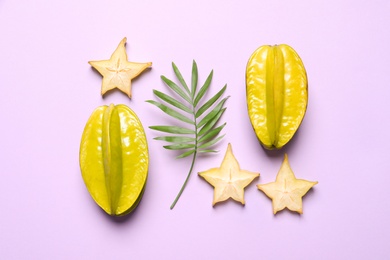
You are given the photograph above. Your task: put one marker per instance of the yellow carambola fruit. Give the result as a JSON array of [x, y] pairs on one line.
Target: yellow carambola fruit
[[114, 158], [276, 89]]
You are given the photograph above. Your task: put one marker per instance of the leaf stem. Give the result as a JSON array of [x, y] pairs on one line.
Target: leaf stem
[[185, 182], [193, 157]]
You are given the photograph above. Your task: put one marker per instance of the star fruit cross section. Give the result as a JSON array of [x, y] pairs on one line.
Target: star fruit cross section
[[118, 72], [287, 191], [229, 180]]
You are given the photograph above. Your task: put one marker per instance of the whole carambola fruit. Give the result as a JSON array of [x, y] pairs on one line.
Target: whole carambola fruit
[[277, 93], [114, 158]]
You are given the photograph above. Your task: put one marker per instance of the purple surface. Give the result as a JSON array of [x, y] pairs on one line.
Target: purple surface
[[49, 91]]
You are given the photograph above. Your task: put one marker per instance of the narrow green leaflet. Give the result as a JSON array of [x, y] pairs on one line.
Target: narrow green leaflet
[[211, 123], [212, 113], [176, 88], [213, 133], [179, 146], [171, 112], [171, 101], [204, 88], [185, 154], [187, 105], [180, 78], [176, 139], [210, 102], [207, 151], [210, 143], [172, 129], [194, 80]]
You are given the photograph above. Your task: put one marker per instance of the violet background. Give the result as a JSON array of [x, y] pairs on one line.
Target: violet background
[[48, 92]]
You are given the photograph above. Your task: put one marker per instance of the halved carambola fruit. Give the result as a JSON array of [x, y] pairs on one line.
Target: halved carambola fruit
[[114, 158], [277, 93]]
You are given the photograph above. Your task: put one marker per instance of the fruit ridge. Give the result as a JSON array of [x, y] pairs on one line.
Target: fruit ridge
[[277, 94], [114, 158]]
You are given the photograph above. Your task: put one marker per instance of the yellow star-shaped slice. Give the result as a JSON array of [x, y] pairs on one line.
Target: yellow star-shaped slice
[[228, 180], [287, 191], [118, 72]]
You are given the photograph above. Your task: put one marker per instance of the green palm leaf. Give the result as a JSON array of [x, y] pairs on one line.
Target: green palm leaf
[[203, 115]]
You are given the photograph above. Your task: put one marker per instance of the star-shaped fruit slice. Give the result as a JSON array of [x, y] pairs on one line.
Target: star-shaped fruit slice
[[228, 180], [118, 72], [287, 191]]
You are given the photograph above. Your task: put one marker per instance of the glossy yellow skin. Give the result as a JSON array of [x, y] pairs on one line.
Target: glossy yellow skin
[[114, 158], [277, 93]]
